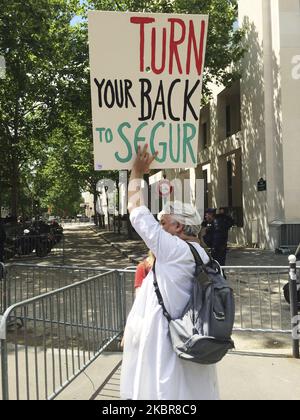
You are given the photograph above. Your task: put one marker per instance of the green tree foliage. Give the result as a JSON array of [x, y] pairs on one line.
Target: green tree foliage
[[56, 183], [37, 42], [45, 107]]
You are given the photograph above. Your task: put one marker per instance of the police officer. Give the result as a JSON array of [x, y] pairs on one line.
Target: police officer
[[216, 237], [225, 219]]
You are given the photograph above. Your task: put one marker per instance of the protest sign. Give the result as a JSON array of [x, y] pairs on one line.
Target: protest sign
[[146, 82]]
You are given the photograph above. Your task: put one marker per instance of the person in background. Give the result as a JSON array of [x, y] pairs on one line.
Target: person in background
[[142, 271], [202, 233], [216, 235], [226, 219]]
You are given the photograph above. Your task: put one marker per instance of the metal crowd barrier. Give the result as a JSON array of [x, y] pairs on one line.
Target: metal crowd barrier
[[260, 303], [48, 340], [23, 281], [3, 294]]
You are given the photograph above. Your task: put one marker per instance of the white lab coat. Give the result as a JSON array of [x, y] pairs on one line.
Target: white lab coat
[[151, 370]]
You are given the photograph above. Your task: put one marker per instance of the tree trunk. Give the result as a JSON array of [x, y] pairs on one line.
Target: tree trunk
[[15, 178], [95, 195], [118, 209], [15, 173]]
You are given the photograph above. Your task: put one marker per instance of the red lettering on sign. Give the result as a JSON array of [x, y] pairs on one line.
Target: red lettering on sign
[[184, 46], [175, 43], [153, 52], [142, 21], [192, 42]]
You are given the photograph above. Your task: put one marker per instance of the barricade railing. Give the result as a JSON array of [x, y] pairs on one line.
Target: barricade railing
[[24, 281], [260, 303], [48, 340], [56, 330], [3, 282]]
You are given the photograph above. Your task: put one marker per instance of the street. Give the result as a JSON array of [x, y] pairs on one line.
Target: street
[[83, 247]]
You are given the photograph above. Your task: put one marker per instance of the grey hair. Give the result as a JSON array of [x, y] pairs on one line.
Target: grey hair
[[188, 230], [191, 230]]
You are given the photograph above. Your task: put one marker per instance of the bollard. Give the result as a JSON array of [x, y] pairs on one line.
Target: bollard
[[4, 369], [294, 305]]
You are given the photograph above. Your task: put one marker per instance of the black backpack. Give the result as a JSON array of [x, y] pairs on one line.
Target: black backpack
[[203, 333]]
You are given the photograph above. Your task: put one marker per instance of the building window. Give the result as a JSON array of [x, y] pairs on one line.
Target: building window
[[204, 127], [230, 186], [205, 135], [206, 175], [229, 183], [206, 191], [229, 111], [228, 121]]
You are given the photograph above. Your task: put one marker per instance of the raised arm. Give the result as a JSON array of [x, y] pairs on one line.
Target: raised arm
[[141, 218], [140, 167]]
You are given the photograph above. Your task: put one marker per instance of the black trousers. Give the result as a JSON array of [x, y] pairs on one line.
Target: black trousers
[[219, 254]]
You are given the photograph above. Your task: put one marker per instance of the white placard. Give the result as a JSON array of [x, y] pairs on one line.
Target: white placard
[[146, 82]]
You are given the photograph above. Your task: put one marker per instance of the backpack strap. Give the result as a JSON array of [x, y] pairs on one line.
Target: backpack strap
[[159, 296], [199, 263], [196, 255]]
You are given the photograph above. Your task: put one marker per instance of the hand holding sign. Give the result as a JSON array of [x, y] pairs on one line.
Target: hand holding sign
[[140, 167], [143, 161]]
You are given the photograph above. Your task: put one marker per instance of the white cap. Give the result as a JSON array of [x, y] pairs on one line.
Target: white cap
[[183, 213], [292, 259]]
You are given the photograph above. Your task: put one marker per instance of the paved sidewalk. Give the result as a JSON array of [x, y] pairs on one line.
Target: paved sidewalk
[[95, 383], [248, 377], [241, 377], [136, 250]]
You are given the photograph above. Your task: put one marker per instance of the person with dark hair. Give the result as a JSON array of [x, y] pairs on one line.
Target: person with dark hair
[[225, 219], [216, 235]]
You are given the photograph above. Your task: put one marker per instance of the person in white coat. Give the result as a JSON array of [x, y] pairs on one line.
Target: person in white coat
[[151, 370]]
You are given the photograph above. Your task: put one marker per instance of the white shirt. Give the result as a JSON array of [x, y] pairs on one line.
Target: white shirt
[[151, 370]]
